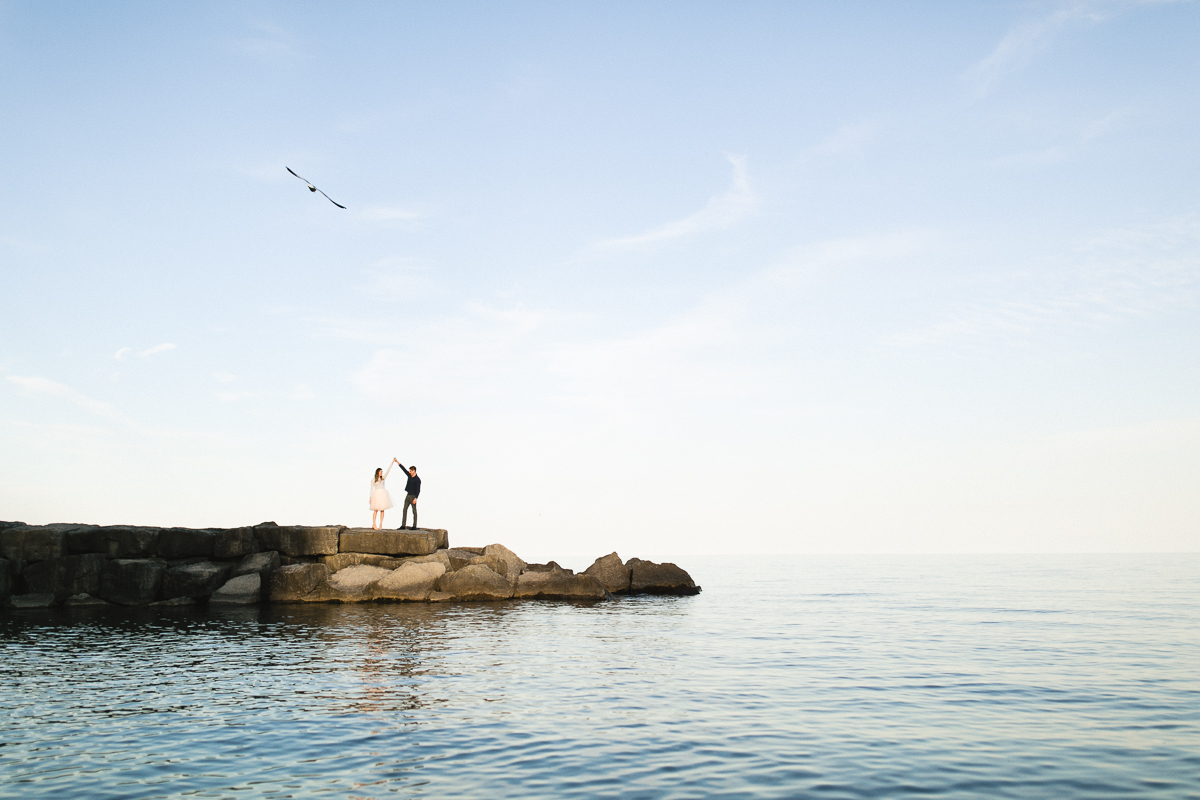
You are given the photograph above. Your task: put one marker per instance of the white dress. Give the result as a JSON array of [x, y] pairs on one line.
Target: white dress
[[380, 499]]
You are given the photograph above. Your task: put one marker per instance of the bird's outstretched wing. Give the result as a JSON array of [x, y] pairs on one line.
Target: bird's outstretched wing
[[335, 202], [289, 169]]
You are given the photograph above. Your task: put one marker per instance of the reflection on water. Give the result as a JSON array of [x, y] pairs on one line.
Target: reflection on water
[[831, 677]]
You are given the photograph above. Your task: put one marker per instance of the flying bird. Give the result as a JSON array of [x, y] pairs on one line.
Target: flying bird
[[312, 188]]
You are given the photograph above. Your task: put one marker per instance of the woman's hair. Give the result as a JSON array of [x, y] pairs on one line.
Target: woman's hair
[[377, 471]]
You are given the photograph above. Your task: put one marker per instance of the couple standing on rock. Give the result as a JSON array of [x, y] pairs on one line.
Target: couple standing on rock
[[381, 501]]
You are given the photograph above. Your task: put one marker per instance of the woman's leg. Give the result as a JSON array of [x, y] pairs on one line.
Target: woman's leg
[[381, 513], [374, 515]]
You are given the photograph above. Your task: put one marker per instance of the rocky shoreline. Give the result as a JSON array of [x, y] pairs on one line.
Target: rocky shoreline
[[44, 566]]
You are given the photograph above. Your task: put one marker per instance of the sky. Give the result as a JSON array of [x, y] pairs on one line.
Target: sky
[[659, 278]]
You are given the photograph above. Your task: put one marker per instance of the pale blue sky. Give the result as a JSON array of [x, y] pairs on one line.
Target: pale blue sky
[[665, 278]]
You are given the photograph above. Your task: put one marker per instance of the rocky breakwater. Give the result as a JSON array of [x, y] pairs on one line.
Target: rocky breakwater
[[125, 565]]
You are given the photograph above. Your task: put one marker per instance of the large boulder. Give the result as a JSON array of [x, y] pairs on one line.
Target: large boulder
[[115, 541], [501, 552], [459, 557], [498, 565], [475, 582], [242, 590], [611, 572], [296, 541], [646, 577], [257, 563], [194, 580], [5, 578], [186, 543], [411, 581], [388, 543], [66, 575], [294, 582], [234, 543], [353, 584], [560, 585], [31, 543], [439, 557], [131, 581]]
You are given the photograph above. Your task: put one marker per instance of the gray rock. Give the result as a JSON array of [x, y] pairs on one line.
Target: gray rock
[[355, 584], [257, 563], [475, 582], [234, 543], [411, 581], [514, 561], [559, 585], [298, 541], [194, 580], [131, 582], [343, 560], [294, 582], [242, 590], [186, 543], [388, 543], [611, 572], [84, 600], [32, 543], [4, 525], [439, 557], [31, 600], [460, 557], [646, 577], [66, 575], [115, 541], [5, 578], [497, 565]]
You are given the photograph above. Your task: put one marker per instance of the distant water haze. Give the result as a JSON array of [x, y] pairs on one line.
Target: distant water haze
[[664, 280]]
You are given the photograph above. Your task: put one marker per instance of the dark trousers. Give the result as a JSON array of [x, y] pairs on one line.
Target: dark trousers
[[409, 500]]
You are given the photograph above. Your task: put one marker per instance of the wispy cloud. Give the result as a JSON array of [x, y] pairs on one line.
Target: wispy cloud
[[722, 211], [1126, 273], [44, 387], [158, 348], [223, 377], [1030, 37], [120, 354]]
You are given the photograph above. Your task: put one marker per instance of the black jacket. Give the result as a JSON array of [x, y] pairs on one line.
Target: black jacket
[[413, 486]]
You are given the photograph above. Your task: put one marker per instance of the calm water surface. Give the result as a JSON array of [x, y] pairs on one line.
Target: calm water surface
[[829, 677]]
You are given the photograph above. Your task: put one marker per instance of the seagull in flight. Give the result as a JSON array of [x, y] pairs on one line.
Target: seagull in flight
[[312, 188]]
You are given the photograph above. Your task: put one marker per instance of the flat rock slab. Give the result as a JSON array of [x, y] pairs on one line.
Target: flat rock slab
[[559, 585], [66, 575], [299, 541], [389, 543], [257, 563], [31, 600], [115, 541], [646, 577]]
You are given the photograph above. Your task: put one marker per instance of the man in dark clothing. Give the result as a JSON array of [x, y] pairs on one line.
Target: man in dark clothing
[[413, 487]]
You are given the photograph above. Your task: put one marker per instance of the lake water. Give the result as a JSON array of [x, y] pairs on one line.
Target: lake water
[[824, 677]]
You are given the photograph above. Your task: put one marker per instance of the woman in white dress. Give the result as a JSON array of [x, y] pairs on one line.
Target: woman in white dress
[[381, 501]]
